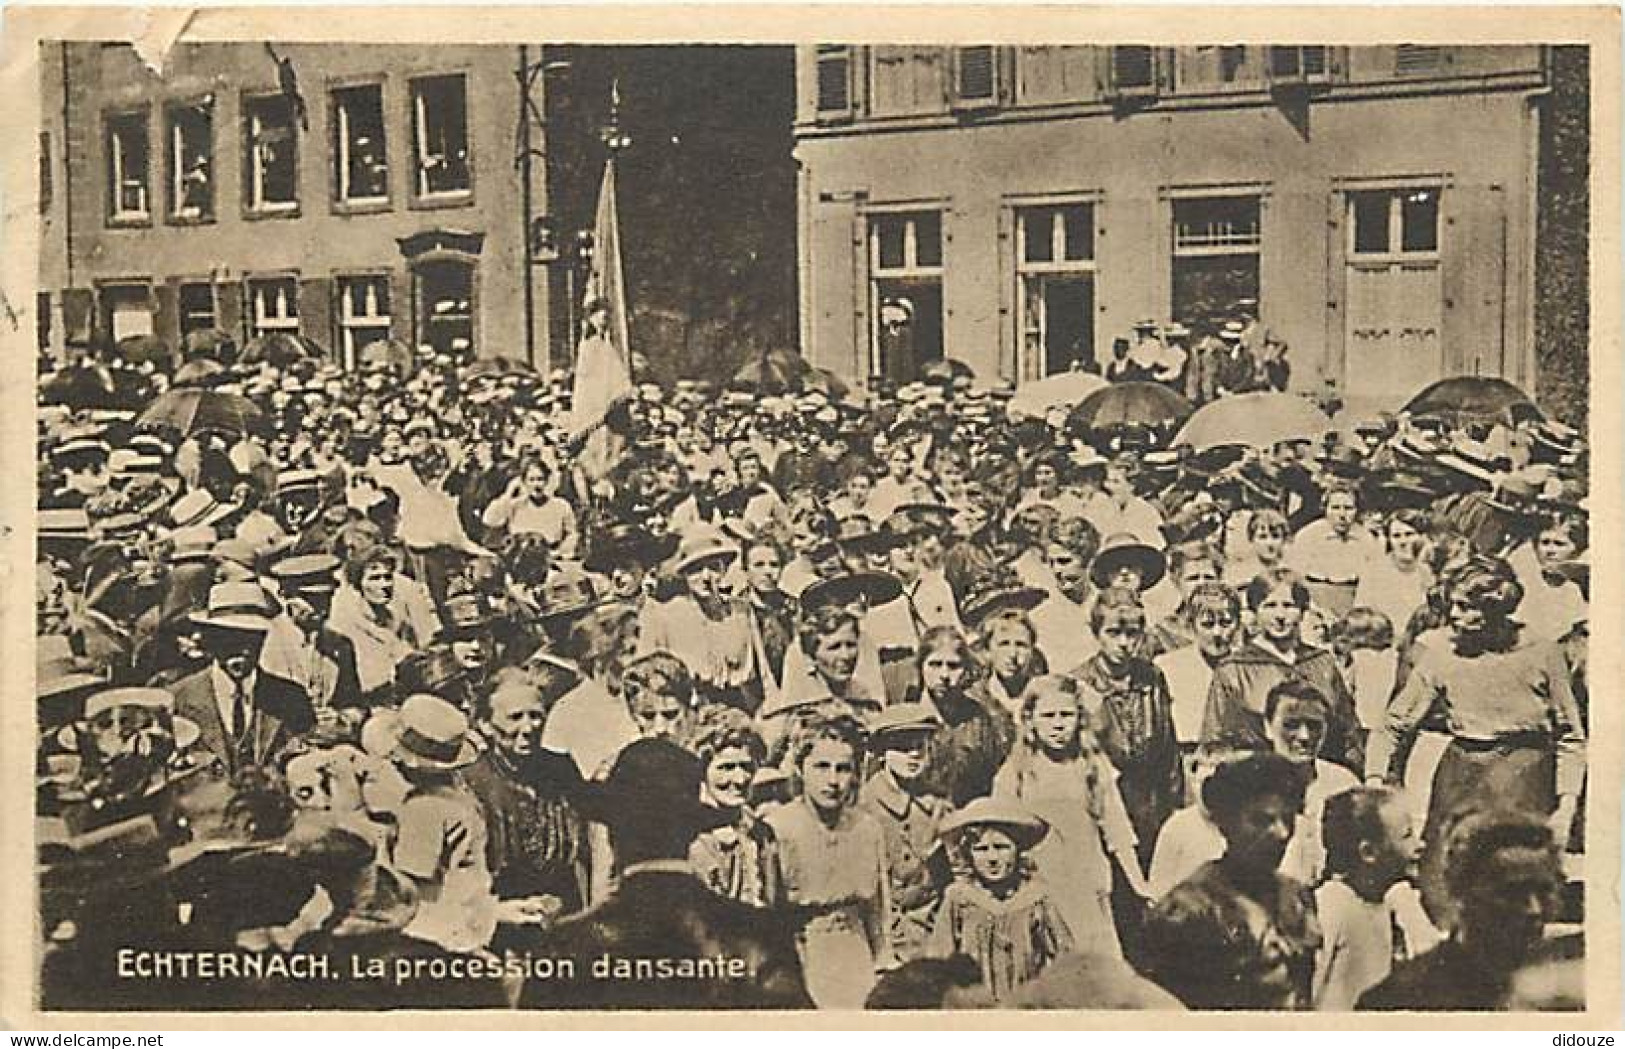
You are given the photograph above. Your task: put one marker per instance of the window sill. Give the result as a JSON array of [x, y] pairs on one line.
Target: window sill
[[362, 206], [284, 211], [437, 201], [189, 220], [129, 220]]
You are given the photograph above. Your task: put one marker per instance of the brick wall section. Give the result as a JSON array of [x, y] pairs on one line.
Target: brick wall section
[[1562, 245]]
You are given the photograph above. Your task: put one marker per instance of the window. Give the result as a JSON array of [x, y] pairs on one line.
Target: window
[[1134, 70], [126, 310], [1055, 252], [905, 261], [976, 76], [195, 304], [834, 74], [45, 187], [270, 154], [440, 136], [1216, 225], [363, 315], [1388, 222], [273, 305], [444, 292], [360, 158], [1216, 241], [1298, 63], [1212, 67], [1411, 59], [128, 158], [191, 161]]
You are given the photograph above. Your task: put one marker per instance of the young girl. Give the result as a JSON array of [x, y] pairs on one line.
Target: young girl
[[1058, 771], [975, 736], [834, 863], [998, 911], [1363, 640], [1008, 646]]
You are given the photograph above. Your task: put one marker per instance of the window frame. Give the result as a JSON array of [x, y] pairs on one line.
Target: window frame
[[251, 320], [338, 148], [911, 269], [253, 206], [112, 169], [1024, 270], [1177, 250], [418, 198], [1115, 89], [172, 213], [1058, 262], [180, 304], [350, 354], [1396, 252], [998, 79]]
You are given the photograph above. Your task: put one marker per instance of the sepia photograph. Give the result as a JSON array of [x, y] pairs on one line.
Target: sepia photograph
[[594, 525]]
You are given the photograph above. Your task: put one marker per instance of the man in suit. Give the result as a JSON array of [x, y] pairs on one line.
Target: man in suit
[[715, 953], [301, 647], [244, 714]]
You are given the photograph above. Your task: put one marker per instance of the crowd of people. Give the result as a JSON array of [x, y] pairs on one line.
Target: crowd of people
[[892, 699], [1205, 360]]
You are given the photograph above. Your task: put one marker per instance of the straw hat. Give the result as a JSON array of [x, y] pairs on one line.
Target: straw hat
[[701, 545], [904, 718], [1124, 549], [238, 606], [1007, 815], [433, 735]]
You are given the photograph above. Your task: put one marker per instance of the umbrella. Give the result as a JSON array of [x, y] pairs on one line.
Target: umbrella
[[190, 409], [1063, 390], [81, 387], [1256, 420], [280, 348], [1470, 397], [1129, 404], [145, 349], [775, 371], [200, 372], [498, 366]]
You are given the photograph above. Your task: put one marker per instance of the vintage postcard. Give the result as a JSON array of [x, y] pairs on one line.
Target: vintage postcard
[[1086, 512]]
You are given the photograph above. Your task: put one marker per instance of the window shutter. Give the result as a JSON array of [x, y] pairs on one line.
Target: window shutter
[[1134, 70], [228, 301], [166, 321], [1010, 334], [1472, 256], [402, 310], [862, 365], [316, 311], [976, 78], [1414, 59], [834, 72], [78, 316], [1333, 364]]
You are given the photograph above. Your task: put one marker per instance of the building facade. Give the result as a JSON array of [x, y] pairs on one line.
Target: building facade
[[343, 193], [1019, 207]]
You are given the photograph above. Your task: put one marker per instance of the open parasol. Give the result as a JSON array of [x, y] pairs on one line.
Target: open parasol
[[145, 349], [190, 409], [1471, 397], [280, 348], [200, 372], [775, 371], [1129, 404], [1066, 389], [1255, 420], [207, 342]]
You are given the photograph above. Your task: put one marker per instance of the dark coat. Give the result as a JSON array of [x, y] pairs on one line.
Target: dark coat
[[282, 710], [1235, 701], [667, 914]]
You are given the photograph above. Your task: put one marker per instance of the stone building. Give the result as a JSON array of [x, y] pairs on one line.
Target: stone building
[[1019, 207]]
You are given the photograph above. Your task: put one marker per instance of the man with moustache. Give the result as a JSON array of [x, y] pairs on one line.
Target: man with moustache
[[536, 842]]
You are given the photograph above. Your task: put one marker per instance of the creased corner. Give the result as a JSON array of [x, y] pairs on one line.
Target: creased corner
[[161, 27]]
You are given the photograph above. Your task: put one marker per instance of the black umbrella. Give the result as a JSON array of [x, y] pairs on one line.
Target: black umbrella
[[145, 349], [189, 409], [774, 372], [1471, 397], [84, 386]]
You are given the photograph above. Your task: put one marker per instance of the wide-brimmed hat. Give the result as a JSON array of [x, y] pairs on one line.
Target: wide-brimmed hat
[[433, 735], [858, 533], [653, 782], [306, 572], [1515, 494], [997, 591], [1343, 461], [62, 684], [872, 588], [921, 518], [701, 545], [242, 606], [563, 594], [184, 730], [198, 507], [192, 543], [1399, 490], [1010, 816], [67, 524], [1124, 549]]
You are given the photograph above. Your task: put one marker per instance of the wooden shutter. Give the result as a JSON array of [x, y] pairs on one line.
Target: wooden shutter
[[834, 82], [78, 316], [166, 321], [316, 311], [1134, 70], [1333, 362], [976, 76], [862, 367], [1010, 333], [228, 304], [1472, 256], [1418, 59]]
